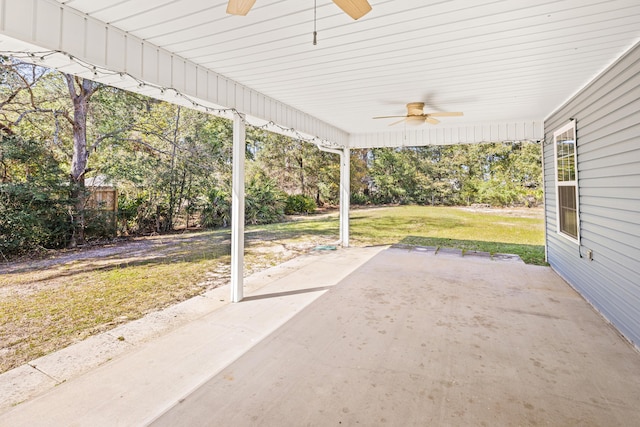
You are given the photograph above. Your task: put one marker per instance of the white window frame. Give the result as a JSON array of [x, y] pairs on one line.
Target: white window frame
[[571, 126]]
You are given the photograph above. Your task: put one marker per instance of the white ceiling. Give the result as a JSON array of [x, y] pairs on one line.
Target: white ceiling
[[495, 60]]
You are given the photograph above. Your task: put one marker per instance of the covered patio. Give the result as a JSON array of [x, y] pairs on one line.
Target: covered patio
[[368, 336], [363, 335], [308, 70]]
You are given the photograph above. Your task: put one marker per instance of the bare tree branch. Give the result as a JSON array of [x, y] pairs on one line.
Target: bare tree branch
[[10, 98]]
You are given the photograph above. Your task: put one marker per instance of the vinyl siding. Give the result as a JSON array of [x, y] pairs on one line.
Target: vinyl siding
[[607, 113]]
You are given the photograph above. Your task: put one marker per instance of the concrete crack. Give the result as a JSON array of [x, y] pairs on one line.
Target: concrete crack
[[46, 374]]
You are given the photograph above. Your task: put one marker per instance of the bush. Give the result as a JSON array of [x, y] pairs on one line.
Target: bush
[[129, 211], [31, 217], [34, 198], [264, 203], [299, 204], [360, 199], [217, 209], [100, 224], [497, 193]]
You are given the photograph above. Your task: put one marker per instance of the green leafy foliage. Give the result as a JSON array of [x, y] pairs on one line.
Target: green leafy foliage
[[217, 209], [100, 224], [33, 198], [129, 211], [299, 204], [499, 174], [264, 202], [296, 167]]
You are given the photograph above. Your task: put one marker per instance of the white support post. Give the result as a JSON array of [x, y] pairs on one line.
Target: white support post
[[345, 195], [345, 191], [237, 209]]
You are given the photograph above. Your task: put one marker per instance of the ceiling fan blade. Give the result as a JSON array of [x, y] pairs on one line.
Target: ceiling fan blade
[[399, 121], [239, 7], [431, 120], [445, 114], [387, 117], [354, 8]]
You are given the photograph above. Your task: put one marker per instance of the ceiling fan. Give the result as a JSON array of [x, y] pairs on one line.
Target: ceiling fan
[[416, 115], [354, 8]]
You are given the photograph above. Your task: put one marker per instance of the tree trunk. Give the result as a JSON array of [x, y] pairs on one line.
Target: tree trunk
[[80, 91], [183, 181], [300, 161], [172, 177]]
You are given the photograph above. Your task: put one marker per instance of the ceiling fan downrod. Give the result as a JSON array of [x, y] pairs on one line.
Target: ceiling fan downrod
[[315, 33]]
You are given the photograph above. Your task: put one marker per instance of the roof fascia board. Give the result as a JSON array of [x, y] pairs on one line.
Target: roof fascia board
[[528, 130]]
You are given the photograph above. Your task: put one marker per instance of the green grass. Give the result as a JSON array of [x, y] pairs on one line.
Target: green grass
[[452, 228], [493, 232], [530, 254], [80, 298]]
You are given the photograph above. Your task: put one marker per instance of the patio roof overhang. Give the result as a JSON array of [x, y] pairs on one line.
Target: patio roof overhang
[[505, 64]]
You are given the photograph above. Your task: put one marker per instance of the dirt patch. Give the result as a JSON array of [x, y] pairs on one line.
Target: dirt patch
[[26, 276]]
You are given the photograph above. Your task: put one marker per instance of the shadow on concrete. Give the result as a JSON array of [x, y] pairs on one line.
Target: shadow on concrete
[[284, 294]]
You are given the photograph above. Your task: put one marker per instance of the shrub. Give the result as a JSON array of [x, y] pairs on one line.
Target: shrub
[[264, 203], [360, 199], [217, 209], [32, 217], [129, 209], [34, 198], [100, 224], [299, 204]]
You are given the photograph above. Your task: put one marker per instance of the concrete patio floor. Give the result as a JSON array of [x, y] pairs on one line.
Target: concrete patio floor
[[369, 336]]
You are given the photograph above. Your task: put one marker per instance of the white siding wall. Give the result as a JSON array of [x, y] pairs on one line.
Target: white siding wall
[[608, 147]]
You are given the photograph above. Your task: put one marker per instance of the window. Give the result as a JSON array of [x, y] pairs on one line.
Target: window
[[567, 181]]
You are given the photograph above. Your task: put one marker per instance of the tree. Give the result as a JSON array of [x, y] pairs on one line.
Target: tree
[[297, 167], [185, 155], [392, 176], [17, 80], [494, 173], [81, 90], [33, 105]]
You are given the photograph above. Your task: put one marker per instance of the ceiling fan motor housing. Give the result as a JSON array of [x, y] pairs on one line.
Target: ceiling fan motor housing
[[415, 109]]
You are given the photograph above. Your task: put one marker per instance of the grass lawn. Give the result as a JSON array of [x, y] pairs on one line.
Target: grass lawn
[[494, 231], [47, 305]]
